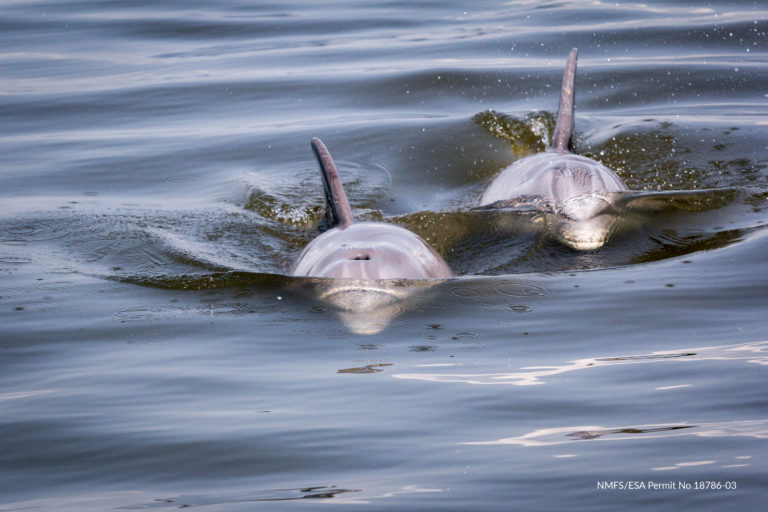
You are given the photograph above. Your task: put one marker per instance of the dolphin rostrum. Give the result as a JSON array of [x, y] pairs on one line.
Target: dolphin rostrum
[[576, 190], [366, 261]]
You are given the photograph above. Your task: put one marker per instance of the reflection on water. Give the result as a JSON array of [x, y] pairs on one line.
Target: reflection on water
[[593, 434], [188, 501], [366, 306], [369, 368], [755, 353], [338, 495], [757, 429]]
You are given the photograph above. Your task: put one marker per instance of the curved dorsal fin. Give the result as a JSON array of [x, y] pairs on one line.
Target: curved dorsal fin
[[561, 142], [341, 212]]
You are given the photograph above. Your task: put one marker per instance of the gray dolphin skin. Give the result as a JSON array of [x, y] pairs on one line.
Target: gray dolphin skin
[[366, 261], [577, 191]]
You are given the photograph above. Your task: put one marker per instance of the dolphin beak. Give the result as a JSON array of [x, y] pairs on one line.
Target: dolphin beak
[[585, 235], [365, 310], [369, 322]]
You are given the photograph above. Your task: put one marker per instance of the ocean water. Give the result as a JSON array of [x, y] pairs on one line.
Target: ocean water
[[157, 185]]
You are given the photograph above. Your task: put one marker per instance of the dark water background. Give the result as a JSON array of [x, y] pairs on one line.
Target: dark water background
[[156, 184]]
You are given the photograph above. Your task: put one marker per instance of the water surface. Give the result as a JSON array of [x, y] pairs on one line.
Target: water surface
[[157, 184]]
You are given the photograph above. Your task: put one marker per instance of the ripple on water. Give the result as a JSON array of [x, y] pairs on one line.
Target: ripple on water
[[56, 285], [151, 313], [35, 305], [518, 308], [423, 348], [465, 292], [467, 339], [33, 231], [518, 289], [15, 260], [224, 309], [422, 304], [23, 231], [162, 312], [501, 290], [8, 293], [159, 338]]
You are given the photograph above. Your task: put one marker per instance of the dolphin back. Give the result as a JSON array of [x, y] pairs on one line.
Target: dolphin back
[[564, 127], [340, 210]]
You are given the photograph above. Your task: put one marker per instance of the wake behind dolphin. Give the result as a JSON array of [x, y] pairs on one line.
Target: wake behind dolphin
[[366, 261]]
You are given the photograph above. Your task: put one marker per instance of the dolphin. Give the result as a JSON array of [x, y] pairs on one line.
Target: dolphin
[[577, 191], [584, 202], [365, 261]]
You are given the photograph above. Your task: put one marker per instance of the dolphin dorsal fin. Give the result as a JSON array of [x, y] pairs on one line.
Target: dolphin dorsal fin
[[561, 142], [341, 212]]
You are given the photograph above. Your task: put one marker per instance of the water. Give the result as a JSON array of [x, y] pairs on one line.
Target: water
[[157, 185]]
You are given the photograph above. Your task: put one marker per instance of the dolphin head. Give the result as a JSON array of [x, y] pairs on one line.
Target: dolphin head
[[372, 268], [585, 235], [584, 222], [370, 251]]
